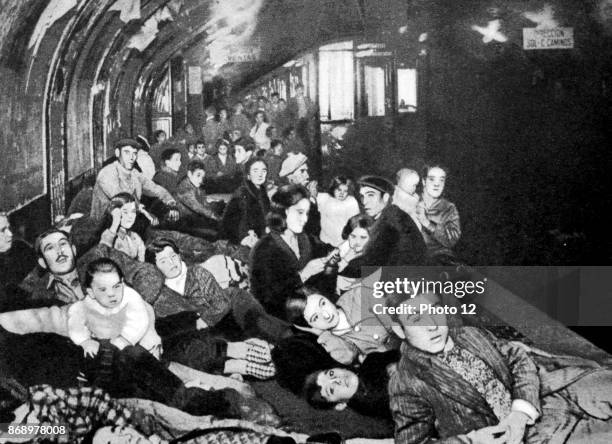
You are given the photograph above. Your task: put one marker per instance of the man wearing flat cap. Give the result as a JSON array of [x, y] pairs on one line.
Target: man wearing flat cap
[[395, 238], [121, 177], [294, 170]]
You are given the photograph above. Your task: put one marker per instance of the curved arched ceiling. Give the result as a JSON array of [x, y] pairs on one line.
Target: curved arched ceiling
[[61, 61], [57, 56]]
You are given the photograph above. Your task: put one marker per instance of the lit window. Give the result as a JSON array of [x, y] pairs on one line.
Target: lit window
[[375, 90], [406, 90], [336, 81]]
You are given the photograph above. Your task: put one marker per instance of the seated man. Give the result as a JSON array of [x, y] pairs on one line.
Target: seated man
[[121, 177], [168, 176], [195, 209], [395, 239], [462, 384]]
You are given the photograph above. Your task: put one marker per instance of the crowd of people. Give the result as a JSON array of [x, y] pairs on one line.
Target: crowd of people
[[220, 256]]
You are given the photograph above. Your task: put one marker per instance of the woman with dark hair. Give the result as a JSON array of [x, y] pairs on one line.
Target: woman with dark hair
[[438, 217], [363, 390], [336, 207], [356, 235], [247, 209], [352, 321], [222, 164], [286, 258], [117, 226]]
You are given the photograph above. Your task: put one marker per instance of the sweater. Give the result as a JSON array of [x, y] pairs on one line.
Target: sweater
[[168, 179], [334, 216], [133, 319], [126, 241], [192, 201]]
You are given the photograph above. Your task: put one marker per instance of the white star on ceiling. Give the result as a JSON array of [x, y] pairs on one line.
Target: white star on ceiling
[[491, 32]]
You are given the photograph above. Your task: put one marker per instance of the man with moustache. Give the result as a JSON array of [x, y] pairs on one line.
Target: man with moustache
[[395, 239], [53, 359]]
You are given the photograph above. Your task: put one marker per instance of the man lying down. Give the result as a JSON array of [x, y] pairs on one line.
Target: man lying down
[[459, 384], [113, 342]]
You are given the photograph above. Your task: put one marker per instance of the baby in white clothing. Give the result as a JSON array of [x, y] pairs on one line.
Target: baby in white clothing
[[111, 310]]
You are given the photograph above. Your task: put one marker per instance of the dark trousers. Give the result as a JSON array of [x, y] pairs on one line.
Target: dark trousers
[[254, 321], [44, 358]]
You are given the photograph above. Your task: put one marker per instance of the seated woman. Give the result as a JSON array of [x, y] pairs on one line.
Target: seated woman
[[439, 218], [220, 167], [364, 390], [118, 223], [352, 319], [286, 258], [336, 207], [247, 209], [356, 234]]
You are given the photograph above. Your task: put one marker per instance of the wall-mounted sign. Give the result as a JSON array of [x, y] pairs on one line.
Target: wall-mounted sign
[[221, 55], [553, 38], [243, 54]]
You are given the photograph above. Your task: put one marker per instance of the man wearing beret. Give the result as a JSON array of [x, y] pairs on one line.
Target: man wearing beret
[[395, 239], [121, 177], [294, 170]]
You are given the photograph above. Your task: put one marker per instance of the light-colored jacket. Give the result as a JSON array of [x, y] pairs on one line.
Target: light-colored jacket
[[114, 179]]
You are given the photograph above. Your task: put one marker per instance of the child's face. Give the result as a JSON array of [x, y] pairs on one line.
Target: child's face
[[200, 149], [196, 177], [341, 192], [278, 150], [320, 312], [174, 163], [191, 149], [424, 331], [358, 238], [128, 215], [107, 289]]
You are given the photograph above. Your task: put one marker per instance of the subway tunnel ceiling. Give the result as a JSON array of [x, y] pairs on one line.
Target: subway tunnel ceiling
[[56, 56], [113, 32], [104, 35]]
